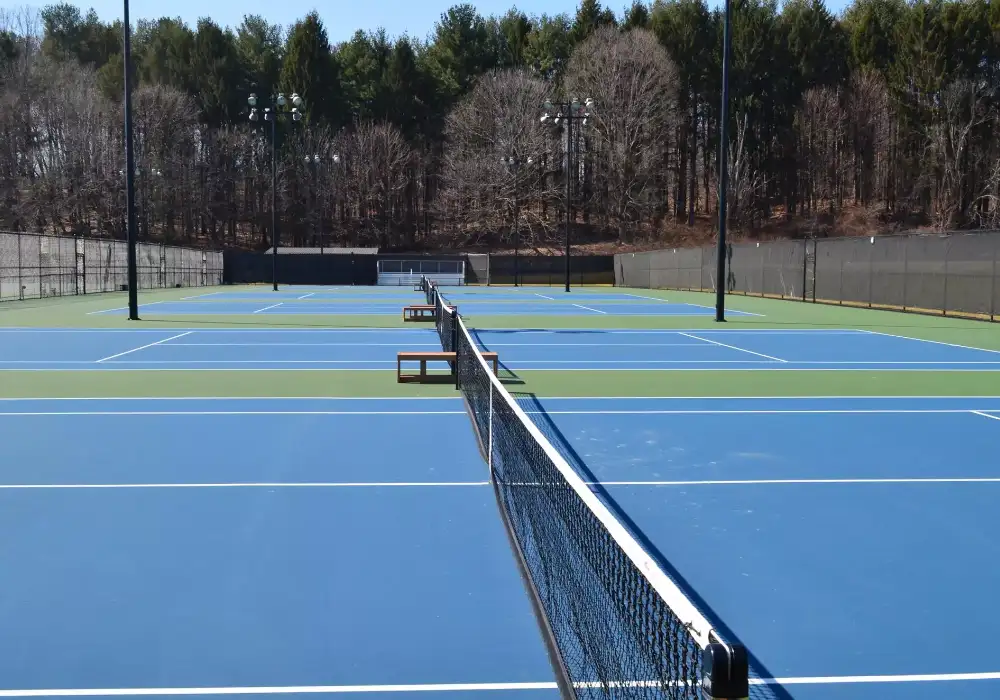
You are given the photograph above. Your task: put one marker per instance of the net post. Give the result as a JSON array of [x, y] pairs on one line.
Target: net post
[[489, 430], [725, 672], [457, 348]]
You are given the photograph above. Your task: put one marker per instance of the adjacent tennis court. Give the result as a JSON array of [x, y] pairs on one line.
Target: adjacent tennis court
[[854, 526], [520, 350], [382, 301], [256, 543]]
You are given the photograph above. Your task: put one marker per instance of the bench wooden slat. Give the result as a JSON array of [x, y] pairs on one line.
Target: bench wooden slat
[[430, 356]]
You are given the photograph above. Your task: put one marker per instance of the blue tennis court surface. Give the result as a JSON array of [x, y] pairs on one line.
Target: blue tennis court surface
[[472, 302], [329, 545], [864, 571], [568, 349], [187, 546]]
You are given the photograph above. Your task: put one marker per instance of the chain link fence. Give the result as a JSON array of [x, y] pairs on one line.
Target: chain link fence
[[950, 273], [33, 266]]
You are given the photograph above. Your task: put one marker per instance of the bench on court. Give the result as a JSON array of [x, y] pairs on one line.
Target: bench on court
[[419, 312], [440, 356]]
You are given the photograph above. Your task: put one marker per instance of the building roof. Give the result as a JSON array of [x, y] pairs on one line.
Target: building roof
[[282, 250]]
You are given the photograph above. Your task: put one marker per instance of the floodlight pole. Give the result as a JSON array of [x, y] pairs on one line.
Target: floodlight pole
[[275, 238], [130, 225], [570, 111], [569, 187], [720, 268], [271, 114]]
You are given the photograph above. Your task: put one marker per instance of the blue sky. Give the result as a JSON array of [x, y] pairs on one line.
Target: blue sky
[[342, 19]]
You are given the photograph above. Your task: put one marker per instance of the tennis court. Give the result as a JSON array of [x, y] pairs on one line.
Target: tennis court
[[359, 349], [229, 502], [387, 301], [857, 522], [157, 546]]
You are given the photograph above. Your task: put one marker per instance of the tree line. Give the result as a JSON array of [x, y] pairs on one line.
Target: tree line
[[890, 110]]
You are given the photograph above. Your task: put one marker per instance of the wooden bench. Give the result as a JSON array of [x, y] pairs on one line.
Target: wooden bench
[[440, 356], [419, 312]]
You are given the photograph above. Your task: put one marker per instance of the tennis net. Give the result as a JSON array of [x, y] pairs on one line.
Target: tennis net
[[445, 321], [618, 626]]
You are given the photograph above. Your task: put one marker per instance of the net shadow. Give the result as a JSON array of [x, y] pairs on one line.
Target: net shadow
[[530, 403], [506, 374]]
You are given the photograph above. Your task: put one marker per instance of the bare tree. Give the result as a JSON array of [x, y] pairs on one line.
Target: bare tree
[[634, 83], [498, 120], [869, 116], [747, 184], [961, 110], [377, 159]]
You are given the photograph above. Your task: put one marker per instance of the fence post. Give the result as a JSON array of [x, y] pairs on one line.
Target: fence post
[[906, 267], [815, 266], [993, 283], [805, 265], [871, 265], [20, 270], [763, 285], [944, 296]]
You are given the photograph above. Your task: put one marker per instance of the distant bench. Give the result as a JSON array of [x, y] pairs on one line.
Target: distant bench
[[440, 356]]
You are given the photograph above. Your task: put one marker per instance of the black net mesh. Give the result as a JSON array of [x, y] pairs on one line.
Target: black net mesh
[[445, 322], [616, 634]]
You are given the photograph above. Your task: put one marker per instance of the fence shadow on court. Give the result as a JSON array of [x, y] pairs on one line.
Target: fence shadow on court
[[530, 403]]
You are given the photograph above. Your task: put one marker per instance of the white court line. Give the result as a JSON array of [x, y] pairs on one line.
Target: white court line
[[763, 367], [252, 485], [766, 411], [245, 398], [237, 362], [463, 687], [985, 415], [543, 296], [735, 311], [306, 296], [233, 413], [123, 308], [148, 345], [328, 345], [458, 398], [771, 482], [639, 296], [589, 309], [733, 347], [200, 296], [403, 331], [934, 342], [268, 307], [923, 397], [438, 344]]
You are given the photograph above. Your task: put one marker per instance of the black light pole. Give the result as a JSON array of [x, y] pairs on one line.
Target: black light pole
[[570, 112], [271, 114], [514, 164], [313, 162], [130, 236], [720, 270]]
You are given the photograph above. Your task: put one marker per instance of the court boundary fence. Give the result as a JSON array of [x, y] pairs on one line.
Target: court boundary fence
[[948, 274], [36, 266]]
